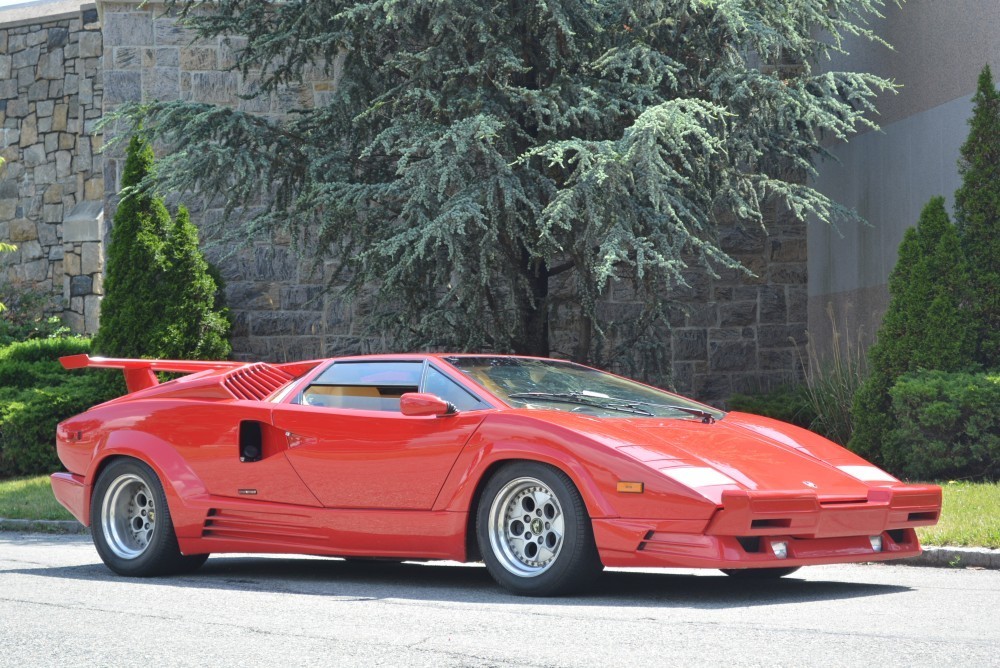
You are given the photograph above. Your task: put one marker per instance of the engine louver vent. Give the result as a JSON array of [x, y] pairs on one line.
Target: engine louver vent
[[255, 382]]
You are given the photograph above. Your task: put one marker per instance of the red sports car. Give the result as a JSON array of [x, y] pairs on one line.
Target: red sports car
[[545, 470]]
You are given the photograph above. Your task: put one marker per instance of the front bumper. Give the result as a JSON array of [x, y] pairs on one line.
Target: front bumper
[[749, 529]]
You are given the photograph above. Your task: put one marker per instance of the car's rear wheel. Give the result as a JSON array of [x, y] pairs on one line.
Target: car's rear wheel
[[131, 524], [534, 531], [760, 573]]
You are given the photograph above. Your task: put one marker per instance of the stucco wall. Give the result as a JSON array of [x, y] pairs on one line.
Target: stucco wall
[[888, 176]]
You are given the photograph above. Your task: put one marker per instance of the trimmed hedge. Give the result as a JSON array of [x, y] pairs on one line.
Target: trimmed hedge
[[36, 393], [947, 426]]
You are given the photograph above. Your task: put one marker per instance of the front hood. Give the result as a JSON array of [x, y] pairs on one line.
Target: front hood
[[758, 453]]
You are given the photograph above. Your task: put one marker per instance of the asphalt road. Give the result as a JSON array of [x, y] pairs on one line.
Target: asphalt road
[[59, 606]]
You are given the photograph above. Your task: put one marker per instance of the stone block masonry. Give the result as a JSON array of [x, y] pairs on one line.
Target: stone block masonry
[[50, 100], [731, 333], [60, 74], [280, 310]]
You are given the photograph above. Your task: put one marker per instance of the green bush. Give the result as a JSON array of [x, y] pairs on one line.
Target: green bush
[[789, 403], [28, 315], [36, 393], [947, 426]]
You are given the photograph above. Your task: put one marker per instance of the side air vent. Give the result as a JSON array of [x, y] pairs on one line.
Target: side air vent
[[255, 382], [236, 525]]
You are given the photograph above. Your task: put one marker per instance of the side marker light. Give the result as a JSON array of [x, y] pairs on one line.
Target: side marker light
[[630, 487]]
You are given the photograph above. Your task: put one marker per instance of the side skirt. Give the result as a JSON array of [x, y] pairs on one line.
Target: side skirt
[[232, 525]]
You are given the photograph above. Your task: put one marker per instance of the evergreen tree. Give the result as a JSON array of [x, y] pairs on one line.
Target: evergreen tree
[[133, 283], [158, 295], [977, 214], [190, 325], [925, 327], [482, 164]]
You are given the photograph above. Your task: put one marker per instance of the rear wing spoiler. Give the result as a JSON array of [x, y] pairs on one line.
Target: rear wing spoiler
[[141, 374]]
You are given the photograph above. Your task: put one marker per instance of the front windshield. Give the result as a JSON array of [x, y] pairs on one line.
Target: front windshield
[[558, 385]]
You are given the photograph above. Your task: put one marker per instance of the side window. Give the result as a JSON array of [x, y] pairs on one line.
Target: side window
[[370, 386], [439, 384]]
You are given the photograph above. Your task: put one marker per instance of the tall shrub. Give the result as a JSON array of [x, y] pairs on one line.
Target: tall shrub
[[925, 326], [977, 214], [159, 297], [191, 325]]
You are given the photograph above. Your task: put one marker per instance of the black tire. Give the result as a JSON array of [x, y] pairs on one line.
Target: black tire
[[567, 562], [131, 524], [760, 573], [191, 562]]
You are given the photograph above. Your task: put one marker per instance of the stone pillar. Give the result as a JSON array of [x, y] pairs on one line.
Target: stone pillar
[[83, 266]]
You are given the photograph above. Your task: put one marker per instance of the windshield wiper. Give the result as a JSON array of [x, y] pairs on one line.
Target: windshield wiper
[[582, 399], [612, 403], [705, 416]]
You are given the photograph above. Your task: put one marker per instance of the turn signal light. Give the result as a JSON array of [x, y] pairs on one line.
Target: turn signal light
[[876, 543], [780, 549], [630, 487]]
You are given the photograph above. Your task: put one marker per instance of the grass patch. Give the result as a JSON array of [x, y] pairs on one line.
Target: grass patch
[[970, 516], [30, 499]]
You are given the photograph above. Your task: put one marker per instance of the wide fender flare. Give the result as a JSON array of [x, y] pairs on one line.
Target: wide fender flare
[[178, 480], [481, 453]]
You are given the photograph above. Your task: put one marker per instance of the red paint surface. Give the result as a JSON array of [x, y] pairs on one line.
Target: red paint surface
[[376, 483]]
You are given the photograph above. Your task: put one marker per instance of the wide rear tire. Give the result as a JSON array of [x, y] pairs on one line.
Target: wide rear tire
[[131, 524], [534, 532]]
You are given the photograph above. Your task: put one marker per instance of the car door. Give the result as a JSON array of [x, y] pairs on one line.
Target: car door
[[352, 446], [208, 439]]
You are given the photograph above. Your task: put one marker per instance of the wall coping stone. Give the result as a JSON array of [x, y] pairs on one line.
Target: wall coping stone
[[84, 222], [36, 13]]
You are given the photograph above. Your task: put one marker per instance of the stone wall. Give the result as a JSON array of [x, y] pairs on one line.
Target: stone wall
[[738, 333], [734, 333], [50, 101], [731, 333], [278, 304]]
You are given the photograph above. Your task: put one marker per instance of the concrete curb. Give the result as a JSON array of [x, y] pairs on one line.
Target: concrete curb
[[956, 557], [938, 557], [43, 526]]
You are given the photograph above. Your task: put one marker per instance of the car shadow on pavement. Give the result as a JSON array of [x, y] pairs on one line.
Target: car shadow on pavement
[[436, 581]]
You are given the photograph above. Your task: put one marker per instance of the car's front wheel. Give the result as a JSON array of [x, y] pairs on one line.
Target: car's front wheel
[[131, 524], [534, 531]]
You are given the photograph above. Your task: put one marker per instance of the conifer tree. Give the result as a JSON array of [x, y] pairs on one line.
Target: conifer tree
[[925, 327], [482, 164], [133, 285], [158, 295], [190, 324], [977, 214]]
